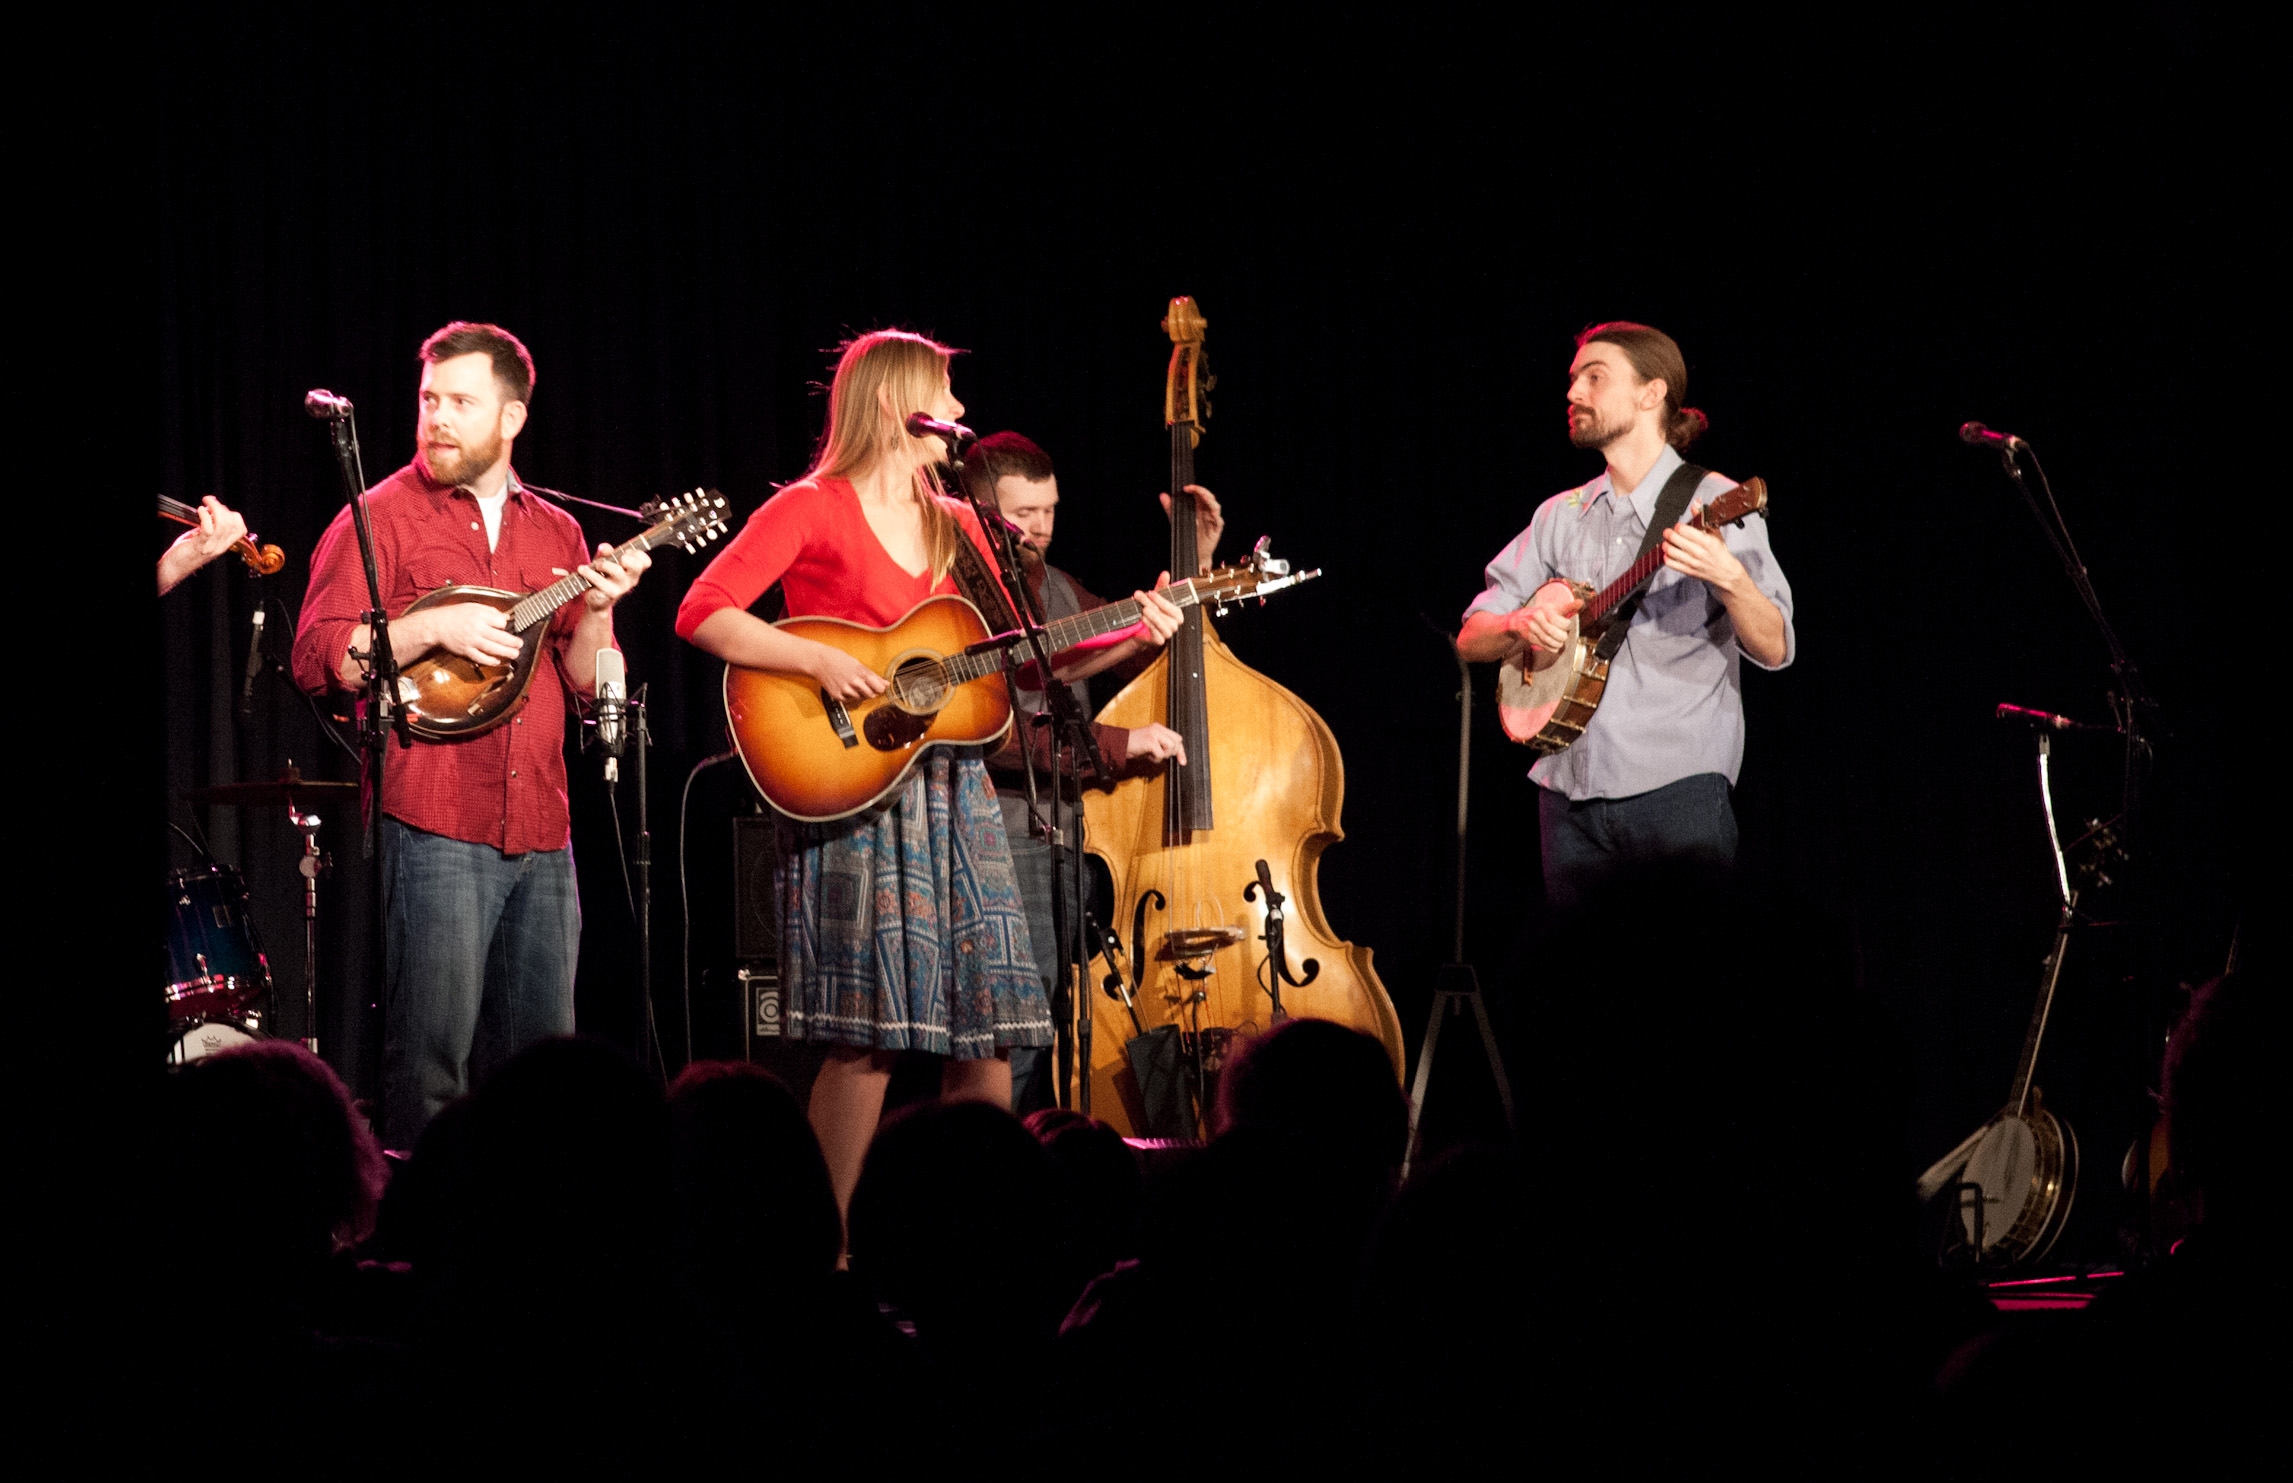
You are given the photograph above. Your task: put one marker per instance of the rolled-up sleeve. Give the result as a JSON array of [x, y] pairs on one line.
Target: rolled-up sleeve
[[1748, 543], [332, 606]]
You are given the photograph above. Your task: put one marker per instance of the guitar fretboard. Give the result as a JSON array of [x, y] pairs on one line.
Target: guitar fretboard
[[914, 682]]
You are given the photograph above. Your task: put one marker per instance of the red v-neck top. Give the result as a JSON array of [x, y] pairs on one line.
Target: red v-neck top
[[814, 540]]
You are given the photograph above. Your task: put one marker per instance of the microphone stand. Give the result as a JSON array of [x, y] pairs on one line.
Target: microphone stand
[[640, 736], [1068, 724], [1459, 986], [2131, 704], [378, 721], [2132, 707]]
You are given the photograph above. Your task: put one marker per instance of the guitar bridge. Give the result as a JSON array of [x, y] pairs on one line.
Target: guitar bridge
[[841, 719]]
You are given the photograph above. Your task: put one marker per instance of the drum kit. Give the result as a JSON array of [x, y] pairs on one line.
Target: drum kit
[[218, 981]]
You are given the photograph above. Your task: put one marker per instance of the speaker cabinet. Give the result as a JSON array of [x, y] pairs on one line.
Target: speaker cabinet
[[756, 932]]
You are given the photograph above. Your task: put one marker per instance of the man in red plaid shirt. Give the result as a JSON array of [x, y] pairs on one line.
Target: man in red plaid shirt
[[482, 922]]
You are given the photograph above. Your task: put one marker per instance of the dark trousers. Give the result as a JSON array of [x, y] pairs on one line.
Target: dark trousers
[[1589, 840]]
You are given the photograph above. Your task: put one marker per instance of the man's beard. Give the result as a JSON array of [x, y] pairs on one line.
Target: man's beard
[[465, 464], [1591, 432]]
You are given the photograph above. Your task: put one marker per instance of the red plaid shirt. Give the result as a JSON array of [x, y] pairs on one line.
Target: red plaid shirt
[[505, 788]]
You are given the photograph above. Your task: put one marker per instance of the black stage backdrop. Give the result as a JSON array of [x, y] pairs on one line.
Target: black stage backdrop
[[1394, 231]]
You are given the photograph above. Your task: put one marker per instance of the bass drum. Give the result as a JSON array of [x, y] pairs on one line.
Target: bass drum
[[215, 965], [202, 1038]]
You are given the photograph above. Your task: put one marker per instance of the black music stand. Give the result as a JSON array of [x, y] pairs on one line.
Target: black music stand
[[1459, 985]]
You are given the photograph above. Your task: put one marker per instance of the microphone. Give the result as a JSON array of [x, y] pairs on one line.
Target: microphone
[[1975, 434], [254, 664], [2045, 720], [612, 709], [924, 425], [326, 406]]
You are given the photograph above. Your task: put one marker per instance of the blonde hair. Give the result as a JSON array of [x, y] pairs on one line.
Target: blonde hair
[[881, 378]]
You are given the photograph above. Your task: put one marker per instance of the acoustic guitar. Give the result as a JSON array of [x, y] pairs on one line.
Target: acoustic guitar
[[815, 758], [1546, 709], [447, 697]]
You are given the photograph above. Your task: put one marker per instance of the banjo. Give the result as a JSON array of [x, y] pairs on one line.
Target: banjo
[[1547, 708]]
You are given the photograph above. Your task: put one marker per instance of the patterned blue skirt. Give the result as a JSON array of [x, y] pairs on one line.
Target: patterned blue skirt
[[902, 929]]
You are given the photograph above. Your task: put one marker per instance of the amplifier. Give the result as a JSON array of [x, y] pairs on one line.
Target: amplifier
[[756, 934], [755, 930], [764, 1019]]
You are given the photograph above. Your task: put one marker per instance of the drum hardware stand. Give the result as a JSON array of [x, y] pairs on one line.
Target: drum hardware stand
[[381, 719], [312, 865], [1459, 985]]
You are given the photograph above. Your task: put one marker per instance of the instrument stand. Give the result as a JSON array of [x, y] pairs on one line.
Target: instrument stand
[[380, 719], [1068, 723], [1459, 984]]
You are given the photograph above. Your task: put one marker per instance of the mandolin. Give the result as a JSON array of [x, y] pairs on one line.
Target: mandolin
[[261, 560], [815, 758], [447, 697], [1546, 709]]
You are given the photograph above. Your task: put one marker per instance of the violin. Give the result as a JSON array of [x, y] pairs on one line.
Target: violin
[[261, 560]]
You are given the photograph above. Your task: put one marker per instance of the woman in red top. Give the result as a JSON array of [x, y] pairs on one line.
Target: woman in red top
[[902, 928]]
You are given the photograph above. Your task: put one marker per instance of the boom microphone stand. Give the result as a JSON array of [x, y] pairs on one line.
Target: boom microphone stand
[[1069, 725], [378, 720]]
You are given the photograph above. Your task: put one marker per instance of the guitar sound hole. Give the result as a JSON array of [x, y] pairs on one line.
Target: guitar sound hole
[[916, 686]]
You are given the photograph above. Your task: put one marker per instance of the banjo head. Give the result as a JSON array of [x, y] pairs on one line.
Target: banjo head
[[1526, 698], [2025, 1171]]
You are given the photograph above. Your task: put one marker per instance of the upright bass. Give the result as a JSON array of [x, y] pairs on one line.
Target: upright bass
[[1214, 863]]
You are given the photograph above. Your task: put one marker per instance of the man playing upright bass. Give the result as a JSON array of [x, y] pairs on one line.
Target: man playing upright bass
[[1013, 474], [482, 922], [1649, 779]]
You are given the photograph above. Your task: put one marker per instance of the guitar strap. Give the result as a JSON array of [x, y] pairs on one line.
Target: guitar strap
[[1671, 504], [975, 581]]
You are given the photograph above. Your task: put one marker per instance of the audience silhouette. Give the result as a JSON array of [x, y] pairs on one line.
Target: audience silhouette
[[573, 1266]]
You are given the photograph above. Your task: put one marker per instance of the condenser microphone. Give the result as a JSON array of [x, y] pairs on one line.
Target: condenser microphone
[[254, 663], [612, 709], [326, 406], [924, 425], [1976, 435]]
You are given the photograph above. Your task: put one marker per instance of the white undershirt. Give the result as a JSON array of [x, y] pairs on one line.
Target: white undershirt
[[491, 509]]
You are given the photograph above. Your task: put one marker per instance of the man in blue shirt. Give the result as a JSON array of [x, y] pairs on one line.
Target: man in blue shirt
[[1649, 778]]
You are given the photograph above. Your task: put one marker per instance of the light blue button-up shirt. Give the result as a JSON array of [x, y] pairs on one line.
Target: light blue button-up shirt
[[1674, 705]]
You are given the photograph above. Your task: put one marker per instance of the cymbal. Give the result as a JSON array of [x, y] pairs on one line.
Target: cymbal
[[287, 788]]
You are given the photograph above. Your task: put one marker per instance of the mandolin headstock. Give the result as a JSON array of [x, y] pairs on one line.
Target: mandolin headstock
[[1186, 390], [687, 520]]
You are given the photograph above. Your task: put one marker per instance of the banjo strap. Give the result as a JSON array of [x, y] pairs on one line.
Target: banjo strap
[[1671, 504]]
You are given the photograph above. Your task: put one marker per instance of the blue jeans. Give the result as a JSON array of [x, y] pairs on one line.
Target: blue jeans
[[1033, 1071], [481, 949], [1588, 840]]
